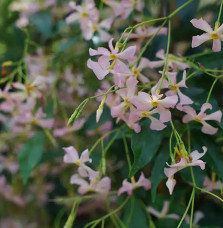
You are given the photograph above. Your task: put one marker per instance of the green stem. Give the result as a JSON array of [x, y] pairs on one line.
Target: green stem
[[192, 210], [219, 15], [167, 53], [210, 193], [109, 214], [147, 44], [127, 152], [188, 206], [211, 89]]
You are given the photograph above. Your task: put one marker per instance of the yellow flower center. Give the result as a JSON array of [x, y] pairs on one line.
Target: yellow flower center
[[113, 57], [154, 103], [145, 114], [84, 14], [127, 103], [95, 28], [215, 36], [197, 119], [29, 87], [135, 72], [174, 88], [78, 163]]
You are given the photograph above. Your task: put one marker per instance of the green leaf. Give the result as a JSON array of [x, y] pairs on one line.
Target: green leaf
[[67, 44], [43, 22], [30, 154], [135, 214], [144, 146], [157, 172], [214, 156]]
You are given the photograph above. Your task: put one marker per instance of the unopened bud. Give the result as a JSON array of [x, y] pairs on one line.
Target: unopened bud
[[98, 114]]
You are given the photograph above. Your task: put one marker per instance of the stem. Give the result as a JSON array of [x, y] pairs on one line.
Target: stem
[[167, 53], [219, 15], [180, 8], [109, 214], [192, 210], [127, 152], [188, 206], [210, 193], [147, 44], [104, 136], [212, 87]]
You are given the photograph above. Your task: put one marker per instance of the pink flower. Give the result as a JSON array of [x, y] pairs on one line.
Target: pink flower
[[145, 101], [216, 35], [211, 185], [175, 88], [163, 213], [72, 156], [92, 27], [83, 13], [137, 114], [124, 109], [146, 32], [78, 124], [95, 185], [110, 60], [174, 63], [129, 187], [191, 160], [130, 5], [202, 117]]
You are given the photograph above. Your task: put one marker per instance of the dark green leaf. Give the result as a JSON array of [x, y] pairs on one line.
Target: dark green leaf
[[30, 154], [43, 22], [214, 156], [157, 172], [135, 214], [144, 146]]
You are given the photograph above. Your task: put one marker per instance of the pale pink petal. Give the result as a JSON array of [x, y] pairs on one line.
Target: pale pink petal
[[214, 116], [196, 155], [184, 100], [204, 107], [216, 45], [165, 115], [121, 67], [117, 111], [143, 63], [104, 36], [100, 51], [156, 124], [201, 24], [169, 102], [126, 187], [171, 182], [182, 83], [71, 155], [85, 157], [160, 54], [208, 129], [104, 62], [198, 40], [128, 53], [97, 69], [104, 185], [156, 64], [198, 163], [72, 17]]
